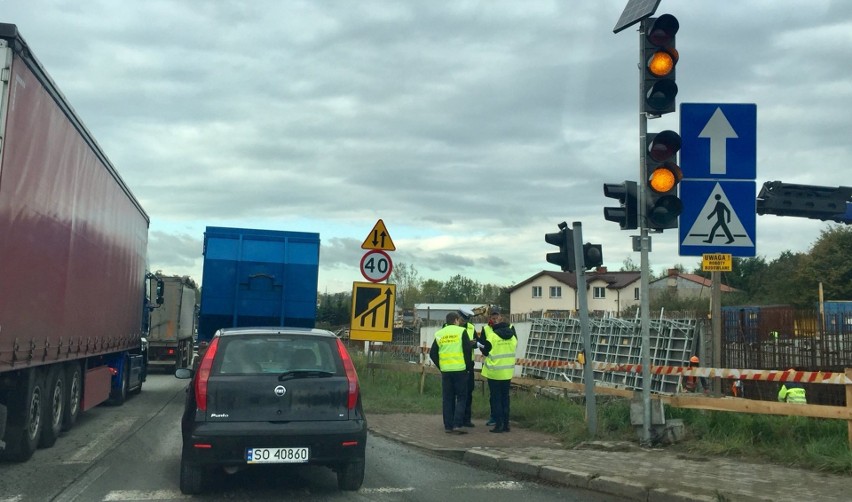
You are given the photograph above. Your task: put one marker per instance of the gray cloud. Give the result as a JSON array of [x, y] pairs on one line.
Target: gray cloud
[[471, 128]]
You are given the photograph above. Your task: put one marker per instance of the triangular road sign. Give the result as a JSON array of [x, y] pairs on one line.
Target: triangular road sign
[[379, 238], [719, 218]]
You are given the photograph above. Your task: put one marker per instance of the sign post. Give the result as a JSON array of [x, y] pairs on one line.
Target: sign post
[[374, 303]]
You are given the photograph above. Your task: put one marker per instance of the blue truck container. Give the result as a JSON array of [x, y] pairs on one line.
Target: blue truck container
[[258, 278]]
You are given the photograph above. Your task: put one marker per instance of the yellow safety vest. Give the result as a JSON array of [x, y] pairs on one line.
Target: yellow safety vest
[[451, 348], [795, 395], [500, 362]]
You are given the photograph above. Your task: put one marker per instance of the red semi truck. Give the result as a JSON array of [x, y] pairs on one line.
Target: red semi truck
[[73, 252]]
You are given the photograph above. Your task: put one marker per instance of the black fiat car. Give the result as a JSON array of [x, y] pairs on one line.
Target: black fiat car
[[272, 396]]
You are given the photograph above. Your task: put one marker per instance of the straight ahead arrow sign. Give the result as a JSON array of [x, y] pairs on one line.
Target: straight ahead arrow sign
[[719, 141], [718, 130]]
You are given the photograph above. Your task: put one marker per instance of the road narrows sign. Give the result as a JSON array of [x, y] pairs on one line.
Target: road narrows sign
[[373, 307]]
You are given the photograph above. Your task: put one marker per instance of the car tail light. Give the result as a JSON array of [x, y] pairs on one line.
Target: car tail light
[[203, 375], [351, 375]]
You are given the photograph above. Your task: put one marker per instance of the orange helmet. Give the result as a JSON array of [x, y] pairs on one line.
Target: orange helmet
[[693, 359]]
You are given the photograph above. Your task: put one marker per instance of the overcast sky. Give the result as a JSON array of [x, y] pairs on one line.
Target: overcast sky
[[471, 128]]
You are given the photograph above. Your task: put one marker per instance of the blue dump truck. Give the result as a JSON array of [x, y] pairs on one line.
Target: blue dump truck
[[257, 278]]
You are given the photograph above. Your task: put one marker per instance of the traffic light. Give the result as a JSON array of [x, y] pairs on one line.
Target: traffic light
[[627, 214], [592, 255], [807, 201], [564, 238], [662, 205], [659, 57]]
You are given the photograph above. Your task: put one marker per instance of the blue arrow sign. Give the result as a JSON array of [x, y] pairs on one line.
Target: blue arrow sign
[[719, 141]]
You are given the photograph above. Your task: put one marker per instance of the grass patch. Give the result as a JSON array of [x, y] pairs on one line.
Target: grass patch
[[810, 443]]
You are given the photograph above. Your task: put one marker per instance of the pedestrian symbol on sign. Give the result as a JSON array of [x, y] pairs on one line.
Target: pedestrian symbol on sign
[[718, 220]]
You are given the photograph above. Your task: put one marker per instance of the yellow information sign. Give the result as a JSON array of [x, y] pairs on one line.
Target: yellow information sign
[[716, 262], [379, 238], [372, 311]]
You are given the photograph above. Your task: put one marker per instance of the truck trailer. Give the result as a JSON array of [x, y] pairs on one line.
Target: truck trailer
[[73, 278], [257, 278], [170, 336]]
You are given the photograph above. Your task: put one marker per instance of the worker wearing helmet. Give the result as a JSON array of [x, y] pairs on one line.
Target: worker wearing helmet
[[691, 383], [792, 392]]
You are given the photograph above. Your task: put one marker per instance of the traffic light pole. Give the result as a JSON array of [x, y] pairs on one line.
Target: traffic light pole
[[583, 307], [644, 249]]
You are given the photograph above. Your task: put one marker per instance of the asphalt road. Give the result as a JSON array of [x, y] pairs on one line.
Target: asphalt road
[[132, 452]]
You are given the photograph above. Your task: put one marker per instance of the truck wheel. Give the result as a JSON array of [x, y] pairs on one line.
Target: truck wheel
[[54, 406], [73, 395], [23, 429]]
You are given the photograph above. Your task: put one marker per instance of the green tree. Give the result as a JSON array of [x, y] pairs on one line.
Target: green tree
[[431, 291], [628, 265], [407, 281], [459, 289], [830, 263]]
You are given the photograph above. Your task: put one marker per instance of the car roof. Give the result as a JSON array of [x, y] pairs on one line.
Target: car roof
[[275, 330]]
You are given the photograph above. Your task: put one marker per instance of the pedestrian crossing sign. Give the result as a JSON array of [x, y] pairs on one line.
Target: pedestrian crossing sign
[[717, 217]]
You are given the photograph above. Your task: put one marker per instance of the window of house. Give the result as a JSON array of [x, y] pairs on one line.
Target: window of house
[[600, 292], [556, 291], [536, 291], [635, 293]]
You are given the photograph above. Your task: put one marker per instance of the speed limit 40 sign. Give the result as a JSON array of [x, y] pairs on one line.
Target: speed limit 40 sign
[[376, 265]]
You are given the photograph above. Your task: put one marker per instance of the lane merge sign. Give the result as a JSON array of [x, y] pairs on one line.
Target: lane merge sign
[[719, 163], [372, 311]]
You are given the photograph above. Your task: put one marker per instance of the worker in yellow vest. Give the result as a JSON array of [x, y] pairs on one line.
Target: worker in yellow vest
[[451, 354], [792, 392], [498, 344]]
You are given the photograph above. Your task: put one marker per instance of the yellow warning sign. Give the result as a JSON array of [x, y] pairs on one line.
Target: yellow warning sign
[[372, 311], [716, 262], [379, 238]]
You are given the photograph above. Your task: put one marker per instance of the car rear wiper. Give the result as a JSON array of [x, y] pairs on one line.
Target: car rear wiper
[[288, 375]]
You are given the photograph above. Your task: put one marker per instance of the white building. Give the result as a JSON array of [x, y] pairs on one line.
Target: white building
[[557, 291]]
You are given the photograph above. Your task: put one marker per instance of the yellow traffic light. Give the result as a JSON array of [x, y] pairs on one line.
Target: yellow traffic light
[[660, 57], [661, 63], [662, 204], [664, 178]]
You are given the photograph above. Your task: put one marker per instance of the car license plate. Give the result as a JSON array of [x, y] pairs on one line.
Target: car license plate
[[278, 455]]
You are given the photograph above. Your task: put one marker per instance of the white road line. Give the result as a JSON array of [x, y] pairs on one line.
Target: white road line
[[109, 436], [16, 498], [495, 485], [122, 495], [386, 490]]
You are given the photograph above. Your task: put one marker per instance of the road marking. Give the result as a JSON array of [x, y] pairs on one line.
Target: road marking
[[16, 498], [495, 485], [386, 490], [120, 495], [108, 437]]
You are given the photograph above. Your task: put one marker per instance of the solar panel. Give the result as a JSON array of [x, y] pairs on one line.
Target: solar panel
[[635, 11]]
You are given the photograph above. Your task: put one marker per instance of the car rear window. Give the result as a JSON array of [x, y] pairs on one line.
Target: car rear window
[[254, 354]]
